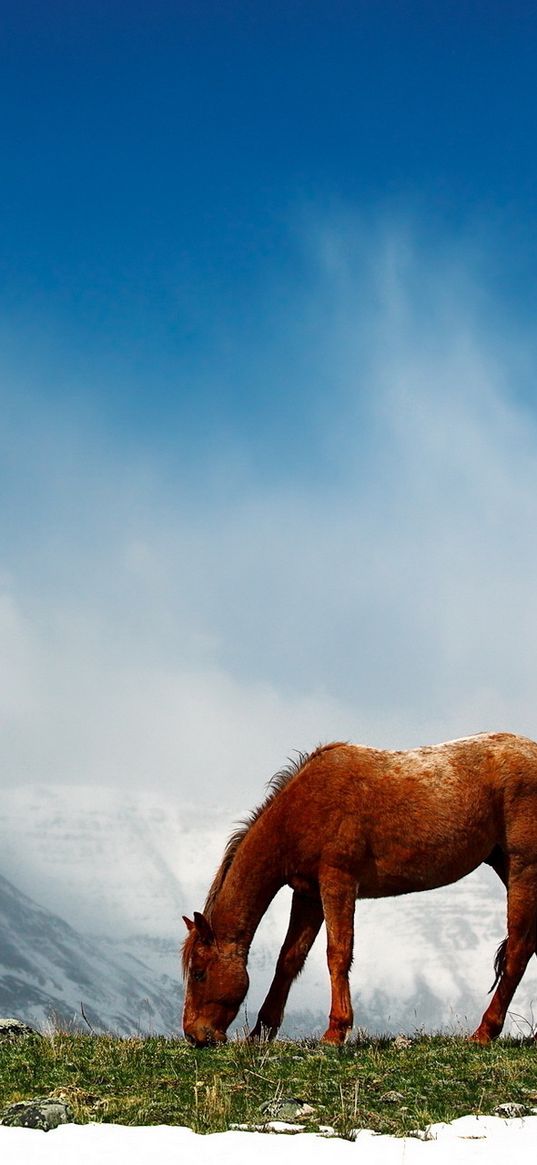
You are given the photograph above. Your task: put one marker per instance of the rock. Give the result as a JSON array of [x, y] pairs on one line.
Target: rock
[[286, 1108], [45, 1113], [401, 1042], [512, 1108], [12, 1028], [305, 1110], [392, 1097]]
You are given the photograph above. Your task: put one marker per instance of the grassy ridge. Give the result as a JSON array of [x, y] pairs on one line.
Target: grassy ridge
[[160, 1081]]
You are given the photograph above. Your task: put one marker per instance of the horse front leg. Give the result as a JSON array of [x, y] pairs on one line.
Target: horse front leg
[[304, 925], [338, 895]]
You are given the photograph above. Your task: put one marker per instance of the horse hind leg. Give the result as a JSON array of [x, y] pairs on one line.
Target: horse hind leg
[[304, 925], [513, 954]]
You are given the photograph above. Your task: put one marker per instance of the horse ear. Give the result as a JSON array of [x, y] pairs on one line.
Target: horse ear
[[188, 922], [203, 928]]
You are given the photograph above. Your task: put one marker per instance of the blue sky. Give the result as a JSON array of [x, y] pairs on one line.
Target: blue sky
[[268, 453]]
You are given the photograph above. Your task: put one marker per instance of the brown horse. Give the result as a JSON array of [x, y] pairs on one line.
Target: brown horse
[[348, 822]]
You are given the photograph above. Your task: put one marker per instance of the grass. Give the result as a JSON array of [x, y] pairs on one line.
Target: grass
[[162, 1081]]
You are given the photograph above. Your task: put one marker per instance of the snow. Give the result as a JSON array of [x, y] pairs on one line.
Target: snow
[[470, 1139]]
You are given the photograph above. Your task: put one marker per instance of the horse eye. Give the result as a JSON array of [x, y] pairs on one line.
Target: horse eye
[[198, 976]]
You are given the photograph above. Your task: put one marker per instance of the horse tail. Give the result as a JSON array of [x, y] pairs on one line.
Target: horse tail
[[499, 963]]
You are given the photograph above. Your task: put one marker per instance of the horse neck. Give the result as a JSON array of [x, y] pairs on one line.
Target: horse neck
[[254, 877]]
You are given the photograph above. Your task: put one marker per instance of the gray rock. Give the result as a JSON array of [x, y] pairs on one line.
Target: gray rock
[[12, 1028], [45, 1113], [512, 1108], [286, 1108]]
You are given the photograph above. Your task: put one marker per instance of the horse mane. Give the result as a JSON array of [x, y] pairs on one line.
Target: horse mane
[[274, 787]]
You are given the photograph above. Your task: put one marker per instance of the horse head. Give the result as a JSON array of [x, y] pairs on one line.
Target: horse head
[[216, 983]]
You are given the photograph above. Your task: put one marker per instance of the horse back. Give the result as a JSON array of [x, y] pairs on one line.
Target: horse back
[[404, 821]]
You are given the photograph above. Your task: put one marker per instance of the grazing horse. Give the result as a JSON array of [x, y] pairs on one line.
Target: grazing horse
[[349, 822]]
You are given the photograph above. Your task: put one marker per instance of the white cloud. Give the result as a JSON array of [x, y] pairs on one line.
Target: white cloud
[[152, 637]]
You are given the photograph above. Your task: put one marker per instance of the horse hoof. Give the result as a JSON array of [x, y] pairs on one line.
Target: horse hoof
[[261, 1034], [333, 1037], [479, 1037]]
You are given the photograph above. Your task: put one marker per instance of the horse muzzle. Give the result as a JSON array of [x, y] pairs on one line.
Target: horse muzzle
[[202, 1036]]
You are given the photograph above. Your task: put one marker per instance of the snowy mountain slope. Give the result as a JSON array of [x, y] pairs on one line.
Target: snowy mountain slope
[[124, 869], [108, 862], [48, 969]]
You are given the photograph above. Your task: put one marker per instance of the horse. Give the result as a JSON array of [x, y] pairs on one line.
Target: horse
[[348, 822]]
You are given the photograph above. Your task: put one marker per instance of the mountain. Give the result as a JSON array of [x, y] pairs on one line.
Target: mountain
[[109, 863], [121, 870], [49, 972]]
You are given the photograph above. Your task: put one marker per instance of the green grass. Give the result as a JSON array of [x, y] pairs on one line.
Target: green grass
[[160, 1081]]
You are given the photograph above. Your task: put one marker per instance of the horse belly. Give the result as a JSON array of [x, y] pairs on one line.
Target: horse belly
[[406, 867], [426, 844]]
